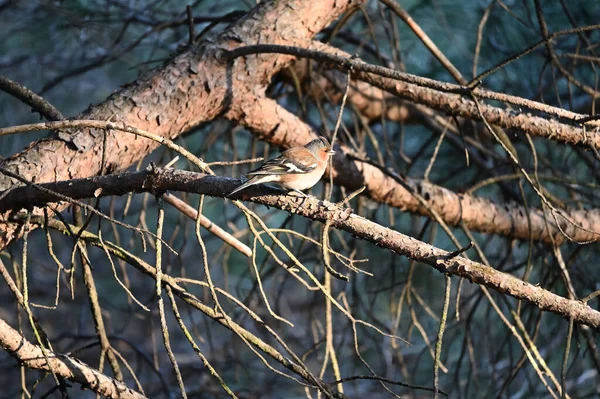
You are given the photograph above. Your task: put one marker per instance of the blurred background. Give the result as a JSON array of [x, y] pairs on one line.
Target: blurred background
[[76, 53]]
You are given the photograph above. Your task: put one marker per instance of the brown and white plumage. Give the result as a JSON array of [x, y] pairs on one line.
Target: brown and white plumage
[[295, 169]]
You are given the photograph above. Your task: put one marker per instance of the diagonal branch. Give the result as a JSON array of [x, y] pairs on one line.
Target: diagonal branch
[[161, 180], [273, 123], [453, 99], [31, 356], [30, 98], [194, 87]]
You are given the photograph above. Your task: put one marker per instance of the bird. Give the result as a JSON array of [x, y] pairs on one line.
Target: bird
[[296, 169]]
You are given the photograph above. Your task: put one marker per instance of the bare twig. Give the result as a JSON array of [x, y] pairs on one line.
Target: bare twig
[[438, 344], [161, 307], [208, 224], [36, 102]]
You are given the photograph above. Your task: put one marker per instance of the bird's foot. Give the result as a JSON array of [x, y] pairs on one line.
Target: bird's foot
[[299, 193]]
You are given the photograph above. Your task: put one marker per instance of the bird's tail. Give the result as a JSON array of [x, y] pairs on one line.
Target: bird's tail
[[254, 180]]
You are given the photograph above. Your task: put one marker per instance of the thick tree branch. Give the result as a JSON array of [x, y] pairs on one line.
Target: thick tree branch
[[372, 102], [194, 87], [161, 180], [273, 123], [442, 96]]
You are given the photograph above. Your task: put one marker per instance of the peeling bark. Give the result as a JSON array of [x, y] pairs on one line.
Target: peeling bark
[[194, 87], [372, 102]]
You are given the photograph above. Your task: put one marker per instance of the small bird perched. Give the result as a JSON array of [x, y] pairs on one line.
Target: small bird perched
[[295, 169]]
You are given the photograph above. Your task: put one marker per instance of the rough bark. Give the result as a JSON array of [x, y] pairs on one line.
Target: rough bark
[[32, 356], [198, 86], [273, 123], [161, 180], [372, 102], [194, 87]]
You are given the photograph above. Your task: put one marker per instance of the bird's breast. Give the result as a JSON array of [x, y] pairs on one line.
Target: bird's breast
[[301, 181]]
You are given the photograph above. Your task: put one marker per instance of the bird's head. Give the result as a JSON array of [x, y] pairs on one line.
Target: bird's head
[[320, 147]]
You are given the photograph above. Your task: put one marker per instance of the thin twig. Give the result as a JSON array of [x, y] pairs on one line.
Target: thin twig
[[393, 382], [191, 25], [190, 339], [205, 222], [158, 291], [27, 96], [438, 344]]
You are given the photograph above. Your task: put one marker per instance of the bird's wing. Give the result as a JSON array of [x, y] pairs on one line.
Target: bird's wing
[[293, 161], [254, 180]]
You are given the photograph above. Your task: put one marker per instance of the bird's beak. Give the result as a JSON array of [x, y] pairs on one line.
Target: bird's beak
[[331, 152]]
